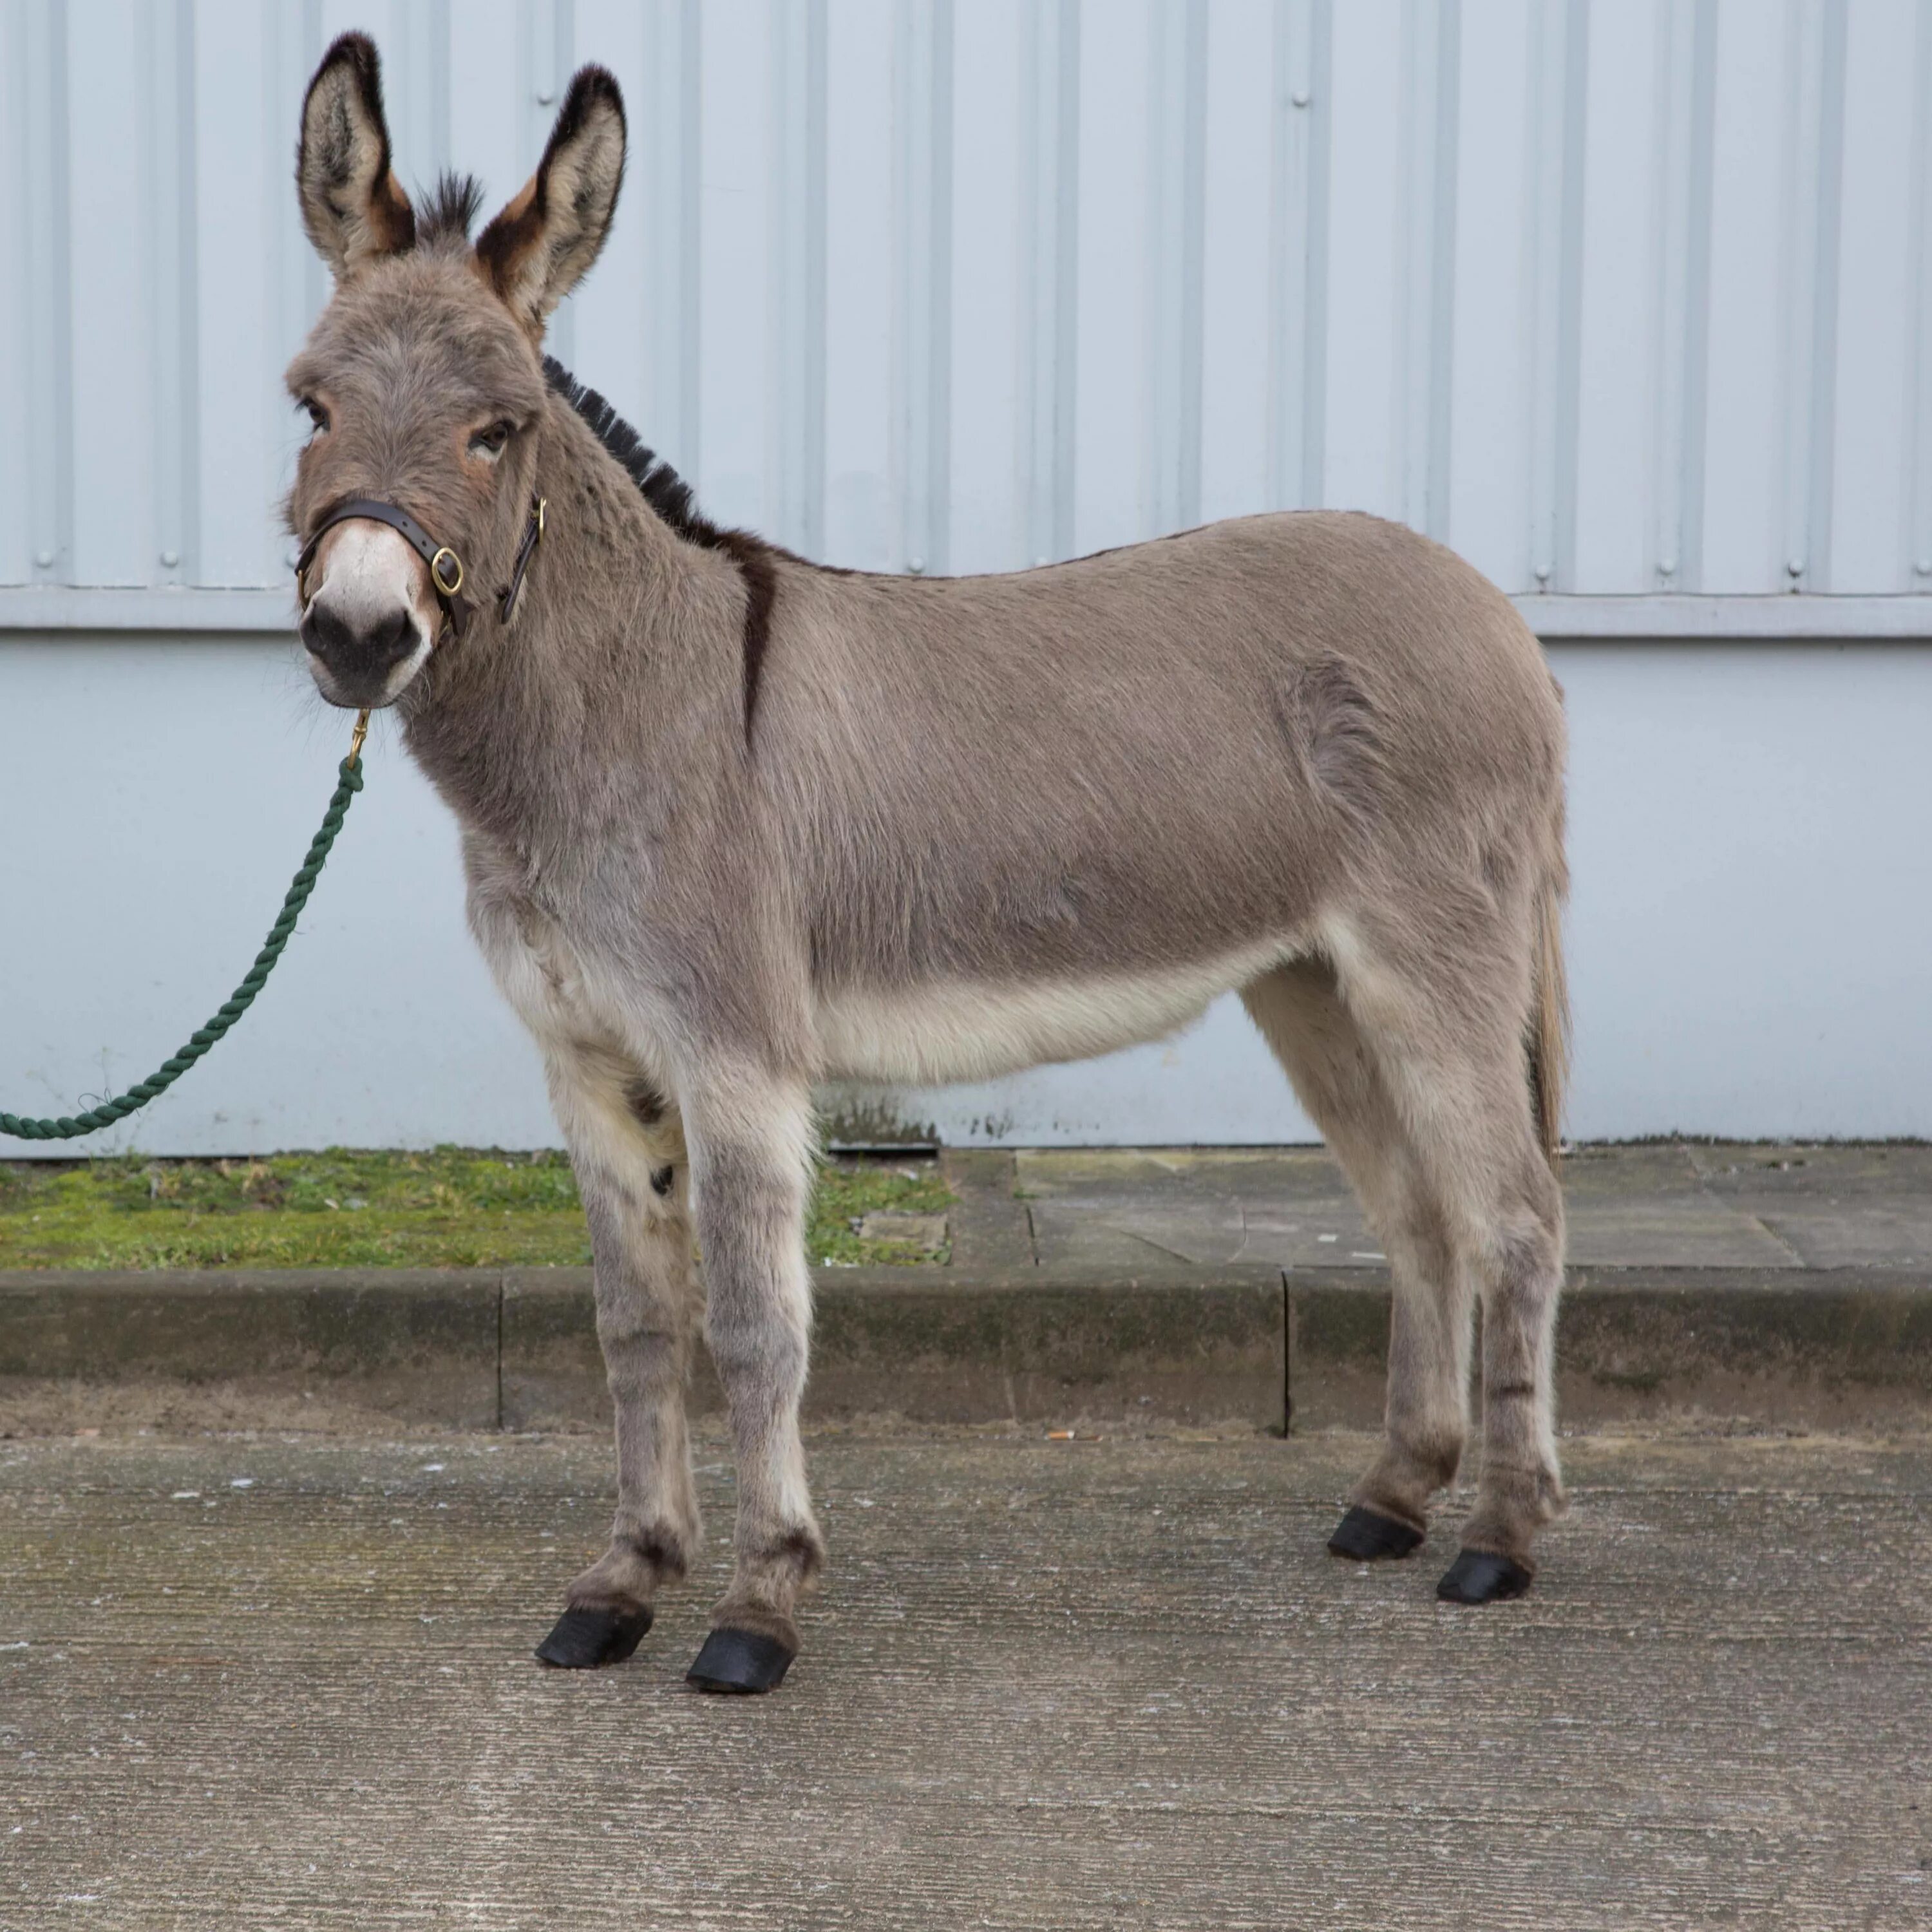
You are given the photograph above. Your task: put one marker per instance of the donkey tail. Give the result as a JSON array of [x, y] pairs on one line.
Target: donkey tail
[[1548, 1041]]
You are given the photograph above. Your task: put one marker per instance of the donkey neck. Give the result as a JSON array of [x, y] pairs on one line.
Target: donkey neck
[[553, 734]]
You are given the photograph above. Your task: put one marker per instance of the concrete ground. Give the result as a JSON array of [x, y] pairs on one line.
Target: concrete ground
[[266, 1626], [275, 1680]]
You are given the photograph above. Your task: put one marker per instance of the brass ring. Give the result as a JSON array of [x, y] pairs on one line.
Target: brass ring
[[436, 571]]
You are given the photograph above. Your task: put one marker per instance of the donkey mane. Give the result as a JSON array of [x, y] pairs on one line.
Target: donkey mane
[[669, 495], [664, 489]]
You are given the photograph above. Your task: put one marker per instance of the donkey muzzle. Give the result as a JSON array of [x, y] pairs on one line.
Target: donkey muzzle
[[355, 664], [371, 614]]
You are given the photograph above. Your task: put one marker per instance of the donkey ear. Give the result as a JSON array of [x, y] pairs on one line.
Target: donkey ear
[[351, 204], [541, 245]]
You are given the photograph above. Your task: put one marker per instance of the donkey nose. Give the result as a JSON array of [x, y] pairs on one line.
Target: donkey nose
[[358, 659]]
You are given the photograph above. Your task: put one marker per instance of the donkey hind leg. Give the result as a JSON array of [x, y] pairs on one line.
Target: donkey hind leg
[[1466, 1200], [751, 1149], [1447, 1032], [1301, 1015], [627, 1147]]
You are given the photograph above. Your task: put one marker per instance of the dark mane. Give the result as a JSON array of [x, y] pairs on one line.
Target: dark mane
[[449, 210], [669, 495], [664, 489]]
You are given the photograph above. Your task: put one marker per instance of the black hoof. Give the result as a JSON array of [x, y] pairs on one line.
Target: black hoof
[[1480, 1576], [584, 1639], [741, 1662], [1364, 1535]]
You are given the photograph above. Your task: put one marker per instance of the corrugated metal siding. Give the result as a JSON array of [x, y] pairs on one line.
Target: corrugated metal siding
[[1619, 299]]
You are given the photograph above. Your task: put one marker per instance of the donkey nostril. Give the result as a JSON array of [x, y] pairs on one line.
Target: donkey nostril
[[390, 642], [326, 635]]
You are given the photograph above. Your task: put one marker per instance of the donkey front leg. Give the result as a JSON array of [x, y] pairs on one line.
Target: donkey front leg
[[751, 1144], [627, 1147]]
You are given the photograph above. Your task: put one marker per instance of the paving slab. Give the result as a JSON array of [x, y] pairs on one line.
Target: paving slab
[[1649, 1207], [1109, 1207], [1834, 1207], [1048, 1687], [1628, 1206]]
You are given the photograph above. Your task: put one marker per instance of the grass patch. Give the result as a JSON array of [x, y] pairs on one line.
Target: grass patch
[[455, 1207]]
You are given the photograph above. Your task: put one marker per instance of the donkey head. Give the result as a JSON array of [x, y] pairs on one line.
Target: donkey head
[[423, 377]]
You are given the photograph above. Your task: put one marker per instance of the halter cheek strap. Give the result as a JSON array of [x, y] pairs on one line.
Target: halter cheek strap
[[533, 530]]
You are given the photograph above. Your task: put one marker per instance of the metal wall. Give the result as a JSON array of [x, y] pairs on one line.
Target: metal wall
[[1624, 300], [1629, 300]]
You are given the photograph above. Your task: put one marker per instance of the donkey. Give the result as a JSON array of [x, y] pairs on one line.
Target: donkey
[[733, 823]]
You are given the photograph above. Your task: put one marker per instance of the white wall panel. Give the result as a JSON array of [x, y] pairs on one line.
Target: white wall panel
[[1488, 459], [1116, 188], [865, 313], [1238, 155], [1870, 453], [17, 304], [1636, 295], [993, 184]]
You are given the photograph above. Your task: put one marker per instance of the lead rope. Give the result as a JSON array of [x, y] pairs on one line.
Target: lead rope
[[72, 1126]]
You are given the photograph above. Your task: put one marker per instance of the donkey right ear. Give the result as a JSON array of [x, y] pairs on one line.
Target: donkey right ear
[[353, 206], [544, 242]]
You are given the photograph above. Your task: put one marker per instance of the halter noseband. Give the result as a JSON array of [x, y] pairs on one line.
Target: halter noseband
[[445, 567]]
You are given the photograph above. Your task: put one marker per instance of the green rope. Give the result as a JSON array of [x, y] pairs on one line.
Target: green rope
[[170, 1070]]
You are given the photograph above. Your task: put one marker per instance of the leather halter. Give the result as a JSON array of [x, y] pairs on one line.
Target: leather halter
[[445, 567]]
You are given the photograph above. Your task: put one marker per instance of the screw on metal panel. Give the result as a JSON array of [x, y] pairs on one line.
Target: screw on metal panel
[[1667, 568], [545, 95], [1301, 97], [170, 558], [1542, 573], [1923, 566], [45, 559], [916, 565], [1796, 565]]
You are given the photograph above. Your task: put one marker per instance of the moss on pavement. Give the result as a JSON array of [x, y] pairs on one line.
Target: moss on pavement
[[454, 1208]]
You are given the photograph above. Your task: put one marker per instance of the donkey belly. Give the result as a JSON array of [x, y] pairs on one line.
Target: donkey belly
[[931, 1034]]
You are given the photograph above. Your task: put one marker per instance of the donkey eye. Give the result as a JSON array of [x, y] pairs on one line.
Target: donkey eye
[[318, 416], [491, 441]]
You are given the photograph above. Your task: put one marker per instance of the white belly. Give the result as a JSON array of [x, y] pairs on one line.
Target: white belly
[[931, 1036]]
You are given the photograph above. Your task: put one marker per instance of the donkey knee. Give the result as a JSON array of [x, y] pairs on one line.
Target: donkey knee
[[761, 1357]]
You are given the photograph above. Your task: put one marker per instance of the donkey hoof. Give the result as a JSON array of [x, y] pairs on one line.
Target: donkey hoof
[[584, 1639], [1481, 1576], [1364, 1535], [739, 1662]]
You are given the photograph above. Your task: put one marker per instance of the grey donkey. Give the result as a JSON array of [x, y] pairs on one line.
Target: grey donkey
[[733, 824]]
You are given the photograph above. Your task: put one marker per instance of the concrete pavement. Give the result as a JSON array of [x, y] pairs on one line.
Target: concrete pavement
[[251, 1680]]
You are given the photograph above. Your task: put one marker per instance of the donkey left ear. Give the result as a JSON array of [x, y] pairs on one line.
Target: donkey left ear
[[353, 206], [543, 243]]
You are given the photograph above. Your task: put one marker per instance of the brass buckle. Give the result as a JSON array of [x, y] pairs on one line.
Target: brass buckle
[[436, 571]]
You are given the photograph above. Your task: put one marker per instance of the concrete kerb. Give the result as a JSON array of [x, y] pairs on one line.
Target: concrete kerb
[[517, 1348], [1262, 1347]]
